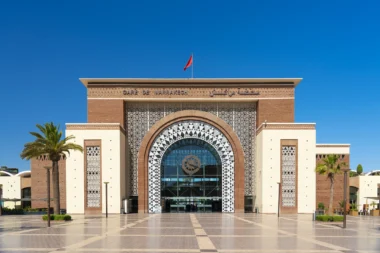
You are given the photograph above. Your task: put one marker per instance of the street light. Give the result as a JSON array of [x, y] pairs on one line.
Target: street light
[[48, 192], [1, 202], [345, 170], [279, 199], [106, 183]]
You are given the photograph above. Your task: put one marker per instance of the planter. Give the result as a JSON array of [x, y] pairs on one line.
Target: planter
[[354, 213], [375, 212]]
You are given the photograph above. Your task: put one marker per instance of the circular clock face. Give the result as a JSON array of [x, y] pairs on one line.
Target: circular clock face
[[191, 164]]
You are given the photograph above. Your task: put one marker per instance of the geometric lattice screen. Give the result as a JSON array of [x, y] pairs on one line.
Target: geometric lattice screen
[[93, 176], [191, 129], [288, 176], [140, 117]]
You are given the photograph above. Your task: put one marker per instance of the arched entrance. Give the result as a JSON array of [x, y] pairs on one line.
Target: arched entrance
[[212, 136], [191, 177]]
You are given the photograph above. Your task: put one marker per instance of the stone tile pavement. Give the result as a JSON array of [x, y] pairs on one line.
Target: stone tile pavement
[[214, 232]]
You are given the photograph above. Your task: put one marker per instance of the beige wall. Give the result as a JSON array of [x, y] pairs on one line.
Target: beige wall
[[367, 188], [269, 167], [112, 168], [11, 187]]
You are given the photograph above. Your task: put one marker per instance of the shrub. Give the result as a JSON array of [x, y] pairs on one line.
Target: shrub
[[330, 218], [6, 210], [64, 217], [31, 210], [321, 206], [353, 174]]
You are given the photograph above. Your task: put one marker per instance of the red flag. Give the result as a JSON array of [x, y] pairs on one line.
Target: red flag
[[189, 62]]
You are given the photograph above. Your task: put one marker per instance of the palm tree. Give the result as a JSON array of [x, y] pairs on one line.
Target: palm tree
[[331, 166], [49, 142]]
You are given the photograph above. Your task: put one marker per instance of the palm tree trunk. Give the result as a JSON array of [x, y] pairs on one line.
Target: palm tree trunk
[[331, 196], [57, 204]]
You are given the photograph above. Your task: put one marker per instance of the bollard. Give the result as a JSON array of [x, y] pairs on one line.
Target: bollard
[[313, 215]]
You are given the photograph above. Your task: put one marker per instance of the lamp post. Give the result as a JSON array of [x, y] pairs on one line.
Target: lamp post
[[106, 183], [279, 199], [1, 201], [48, 193], [345, 170]]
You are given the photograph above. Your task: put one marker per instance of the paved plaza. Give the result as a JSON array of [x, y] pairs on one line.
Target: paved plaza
[[188, 233]]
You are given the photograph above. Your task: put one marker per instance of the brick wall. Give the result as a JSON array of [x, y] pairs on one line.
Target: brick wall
[[105, 111], [39, 182], [323, 185], [275, 110]]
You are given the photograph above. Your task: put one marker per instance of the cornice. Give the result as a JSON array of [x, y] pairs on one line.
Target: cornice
[[95, 126], [190, 81], [285, 126], [333, 145]]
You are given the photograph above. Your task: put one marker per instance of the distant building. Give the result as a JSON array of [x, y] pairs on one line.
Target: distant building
[[365, 189], [15, 188], [13, 171]]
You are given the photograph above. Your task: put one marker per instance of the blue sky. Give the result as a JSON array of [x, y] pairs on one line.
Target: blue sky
[[45, 46]]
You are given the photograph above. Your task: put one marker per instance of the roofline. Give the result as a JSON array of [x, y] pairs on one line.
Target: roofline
[[292, 82], [333, 145]]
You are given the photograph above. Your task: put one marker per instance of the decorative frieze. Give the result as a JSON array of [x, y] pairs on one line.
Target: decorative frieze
[[183, 93]]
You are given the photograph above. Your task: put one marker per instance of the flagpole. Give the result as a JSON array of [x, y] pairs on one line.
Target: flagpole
[[192, 67]]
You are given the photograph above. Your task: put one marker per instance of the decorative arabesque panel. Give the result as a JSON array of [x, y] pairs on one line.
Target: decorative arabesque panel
[[288, 176], [140, 117], [93, 176], [244, 124], [190, 130]]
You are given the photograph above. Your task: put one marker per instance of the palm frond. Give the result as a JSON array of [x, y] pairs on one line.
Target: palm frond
[[330, 166], [49, 142]]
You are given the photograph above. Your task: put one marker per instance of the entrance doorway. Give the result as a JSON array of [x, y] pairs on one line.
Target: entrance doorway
[[191, 177]]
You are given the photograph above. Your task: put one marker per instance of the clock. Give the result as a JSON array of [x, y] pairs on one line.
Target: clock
[[191, 164]]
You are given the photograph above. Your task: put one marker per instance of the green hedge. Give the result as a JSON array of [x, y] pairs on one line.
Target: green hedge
[[6, 210], [57, 217], [329, 218]]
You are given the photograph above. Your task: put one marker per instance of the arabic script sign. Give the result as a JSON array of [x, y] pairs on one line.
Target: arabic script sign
[[186, 92], [232, 92]]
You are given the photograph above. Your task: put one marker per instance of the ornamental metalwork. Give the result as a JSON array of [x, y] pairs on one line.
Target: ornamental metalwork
[[140, 117], [93, 176], [190, 129], [288, 176]]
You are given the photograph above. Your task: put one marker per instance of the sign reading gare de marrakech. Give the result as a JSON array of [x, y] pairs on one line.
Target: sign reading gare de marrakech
[[217, 144]]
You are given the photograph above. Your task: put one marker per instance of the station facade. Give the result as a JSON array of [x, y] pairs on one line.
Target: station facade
[[205, 145]]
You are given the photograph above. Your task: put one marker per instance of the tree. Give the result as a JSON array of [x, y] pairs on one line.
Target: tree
[[49, 142], [331, 166], [359, 169]]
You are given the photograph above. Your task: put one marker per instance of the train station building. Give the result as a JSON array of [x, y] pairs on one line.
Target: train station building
[[205, 145]]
